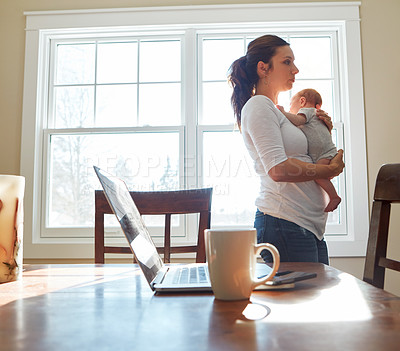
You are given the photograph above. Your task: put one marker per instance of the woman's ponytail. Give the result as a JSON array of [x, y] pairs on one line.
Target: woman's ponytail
[[243, 86]]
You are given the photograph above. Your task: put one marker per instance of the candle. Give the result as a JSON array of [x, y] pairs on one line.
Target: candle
[[11, 226]]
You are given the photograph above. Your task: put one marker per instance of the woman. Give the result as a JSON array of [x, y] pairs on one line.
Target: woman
[[290, 206]]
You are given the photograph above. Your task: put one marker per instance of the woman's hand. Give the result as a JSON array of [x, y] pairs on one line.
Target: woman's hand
[[337, 164], [324, 117]]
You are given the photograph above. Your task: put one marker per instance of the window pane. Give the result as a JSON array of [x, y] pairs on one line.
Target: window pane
[[324, 87], [284, 99], [218, 55], [75, 63], [160, 61], [229, 170], [217, 104], [313, 57], [160, 104], [117, 62], [74, 107], [137, 158], [116, 105]]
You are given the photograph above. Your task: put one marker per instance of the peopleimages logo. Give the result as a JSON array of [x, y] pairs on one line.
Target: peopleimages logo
[[212, 169], [148, 165]]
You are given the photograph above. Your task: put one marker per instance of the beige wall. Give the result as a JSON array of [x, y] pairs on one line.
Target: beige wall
[[380, 48]]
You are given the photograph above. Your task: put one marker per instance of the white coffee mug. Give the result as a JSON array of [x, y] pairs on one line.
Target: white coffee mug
[[231, 257]]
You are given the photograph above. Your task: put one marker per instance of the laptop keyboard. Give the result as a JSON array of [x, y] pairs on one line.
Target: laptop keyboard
[[190, 275]]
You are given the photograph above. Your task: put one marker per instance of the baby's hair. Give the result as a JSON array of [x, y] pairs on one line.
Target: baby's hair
[[312, 96]]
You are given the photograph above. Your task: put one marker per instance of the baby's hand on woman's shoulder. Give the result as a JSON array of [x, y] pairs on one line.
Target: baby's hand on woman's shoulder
[[280, 108]]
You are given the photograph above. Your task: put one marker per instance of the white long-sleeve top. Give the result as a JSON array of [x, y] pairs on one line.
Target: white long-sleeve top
[[271, 139]]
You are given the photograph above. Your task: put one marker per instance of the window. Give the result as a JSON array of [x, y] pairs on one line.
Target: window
[[109, 106], [150, 103]]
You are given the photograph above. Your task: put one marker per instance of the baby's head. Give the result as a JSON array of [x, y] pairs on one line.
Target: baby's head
[[305, 98]]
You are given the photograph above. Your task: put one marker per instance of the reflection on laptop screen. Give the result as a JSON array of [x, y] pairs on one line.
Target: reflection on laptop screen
[[131, 223], [144, 250]]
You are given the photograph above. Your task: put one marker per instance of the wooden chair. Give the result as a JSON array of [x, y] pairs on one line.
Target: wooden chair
[[387, 191], [159, 203]]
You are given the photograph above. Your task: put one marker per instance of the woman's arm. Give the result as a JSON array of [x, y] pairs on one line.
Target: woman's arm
[[293, 170]]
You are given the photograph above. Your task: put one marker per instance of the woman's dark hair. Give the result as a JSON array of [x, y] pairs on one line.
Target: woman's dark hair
[[243, 75]]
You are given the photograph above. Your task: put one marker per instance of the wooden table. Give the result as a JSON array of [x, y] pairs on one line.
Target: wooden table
[[111, 307]]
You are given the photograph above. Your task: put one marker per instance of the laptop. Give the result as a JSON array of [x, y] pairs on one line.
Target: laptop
[[190, 277], [162, 278]]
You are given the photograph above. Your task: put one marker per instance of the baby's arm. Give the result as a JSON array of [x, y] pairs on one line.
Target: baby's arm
[[297, 120]]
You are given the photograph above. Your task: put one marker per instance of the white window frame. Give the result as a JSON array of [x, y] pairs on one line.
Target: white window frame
[[344, 16]]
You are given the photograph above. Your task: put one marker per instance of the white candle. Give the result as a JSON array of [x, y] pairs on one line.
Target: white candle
[[11, 226]]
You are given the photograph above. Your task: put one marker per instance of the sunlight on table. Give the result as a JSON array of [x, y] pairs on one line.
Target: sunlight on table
[[321, 308]]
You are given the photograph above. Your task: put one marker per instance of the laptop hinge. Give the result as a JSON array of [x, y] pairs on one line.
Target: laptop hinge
[[160, 276]]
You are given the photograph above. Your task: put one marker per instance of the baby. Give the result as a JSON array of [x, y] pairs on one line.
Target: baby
[[320, 146]]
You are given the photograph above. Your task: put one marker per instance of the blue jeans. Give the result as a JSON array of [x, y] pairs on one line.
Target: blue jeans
[[295, 244]]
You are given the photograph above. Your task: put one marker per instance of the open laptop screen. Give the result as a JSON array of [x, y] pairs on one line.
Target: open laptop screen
[[131, 223]]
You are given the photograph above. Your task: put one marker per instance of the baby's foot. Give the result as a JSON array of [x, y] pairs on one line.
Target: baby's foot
[[333, 204]]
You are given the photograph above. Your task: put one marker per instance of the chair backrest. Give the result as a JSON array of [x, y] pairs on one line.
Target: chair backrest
[[159, 203], [387, 191]]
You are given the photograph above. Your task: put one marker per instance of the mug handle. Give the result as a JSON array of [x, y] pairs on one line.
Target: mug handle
[[275, 254]]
